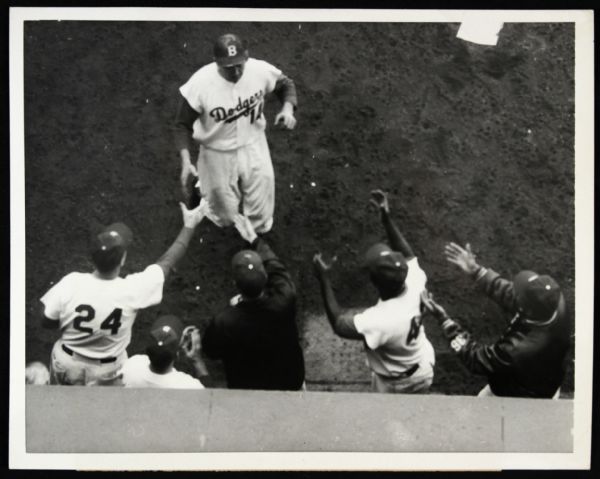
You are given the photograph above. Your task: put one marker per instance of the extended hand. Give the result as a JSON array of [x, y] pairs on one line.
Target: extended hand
[[431, 306], [245, 228], [320, 266], [191, 342], [192, 218], [462, 257], [380, 200]]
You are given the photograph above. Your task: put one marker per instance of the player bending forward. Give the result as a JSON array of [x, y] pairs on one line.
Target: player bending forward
[[221, 107], [399, 354], [95, 311]]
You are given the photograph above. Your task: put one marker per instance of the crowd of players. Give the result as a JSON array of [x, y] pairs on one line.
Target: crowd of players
[[256, 336]]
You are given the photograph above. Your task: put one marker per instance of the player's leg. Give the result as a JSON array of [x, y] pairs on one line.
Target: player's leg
[[218, 178], [258, 184], [64, 369]]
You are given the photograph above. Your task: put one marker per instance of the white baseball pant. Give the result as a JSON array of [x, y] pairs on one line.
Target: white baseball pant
[[244, 175]]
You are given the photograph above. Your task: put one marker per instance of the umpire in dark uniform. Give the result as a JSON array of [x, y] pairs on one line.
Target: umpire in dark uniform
[[256, 335], [529, 359]]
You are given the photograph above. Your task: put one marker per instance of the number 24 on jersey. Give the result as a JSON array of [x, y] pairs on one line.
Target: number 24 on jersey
[[111, 323]]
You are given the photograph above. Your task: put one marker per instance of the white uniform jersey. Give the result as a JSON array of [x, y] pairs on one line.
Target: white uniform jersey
[[394, 336], [231, 114], [96, 315], [136, 373]]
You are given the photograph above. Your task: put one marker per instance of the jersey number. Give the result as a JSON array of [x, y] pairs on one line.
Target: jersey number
[[255, 115], [87, 314], [415, 329]]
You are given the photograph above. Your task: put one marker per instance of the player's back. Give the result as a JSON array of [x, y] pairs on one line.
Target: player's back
[[393, 329], [96, 315]]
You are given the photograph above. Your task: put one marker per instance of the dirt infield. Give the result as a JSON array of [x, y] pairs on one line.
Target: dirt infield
[[474, 144]]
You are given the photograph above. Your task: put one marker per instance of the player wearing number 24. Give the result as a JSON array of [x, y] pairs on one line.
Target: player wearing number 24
[[399, 354], [95, 311]]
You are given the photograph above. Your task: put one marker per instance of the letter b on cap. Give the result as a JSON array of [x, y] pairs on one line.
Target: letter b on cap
[[231, 50]]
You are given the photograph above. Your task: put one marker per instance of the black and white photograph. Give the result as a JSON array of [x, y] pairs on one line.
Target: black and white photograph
[[247, 239]]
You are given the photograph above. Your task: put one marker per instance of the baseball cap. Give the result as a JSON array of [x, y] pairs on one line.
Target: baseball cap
[[248, 272], [110, 244], [386, 265], [229, 49], [165, 334], [537, 295]]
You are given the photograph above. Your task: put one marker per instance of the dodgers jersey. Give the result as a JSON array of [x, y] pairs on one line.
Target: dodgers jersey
[[96, 315], [231, 114], [394, 336], [137, 374]]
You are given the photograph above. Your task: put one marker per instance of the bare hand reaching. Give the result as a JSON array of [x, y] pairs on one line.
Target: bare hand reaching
[[380, 200], [192, 218], [462, 257], [431, 306], [320, 266], [191, 342]]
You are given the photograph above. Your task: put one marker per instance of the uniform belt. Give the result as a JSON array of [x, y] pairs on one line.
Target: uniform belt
[[404, 374], [70, 352]]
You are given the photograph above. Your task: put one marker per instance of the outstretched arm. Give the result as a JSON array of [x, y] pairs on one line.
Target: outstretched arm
[[497, 288], [478, 358], [191, 219], [342, 322], [395, 237], [183, 129]]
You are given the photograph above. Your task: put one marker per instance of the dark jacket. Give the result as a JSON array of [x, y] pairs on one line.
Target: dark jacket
[[258, 339], [529, 359]]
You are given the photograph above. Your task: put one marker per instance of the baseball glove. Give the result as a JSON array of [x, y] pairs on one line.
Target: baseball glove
[[193, 195]]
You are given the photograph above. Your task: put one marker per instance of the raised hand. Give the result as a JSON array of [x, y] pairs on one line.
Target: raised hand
[[380, 200], [193, 217], [462, 257], [321, 268], [431, 306], [191, 342]]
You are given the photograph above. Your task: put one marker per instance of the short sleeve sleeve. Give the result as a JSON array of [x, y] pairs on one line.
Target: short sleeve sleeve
[[416, 279], [271, 73], [364, 325], [145, 288], [186, 381], [54, 299], [192, 90]]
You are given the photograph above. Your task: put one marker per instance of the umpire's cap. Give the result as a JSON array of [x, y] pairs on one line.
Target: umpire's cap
[[109, 245], [230, 49], [538, 296], [249, 273], [386, 267]]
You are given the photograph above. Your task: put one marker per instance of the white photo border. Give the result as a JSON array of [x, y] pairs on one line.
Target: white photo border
[[584, 255]]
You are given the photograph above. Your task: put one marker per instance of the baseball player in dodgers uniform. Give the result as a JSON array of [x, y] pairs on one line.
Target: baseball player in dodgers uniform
[[221, 107], [95, 311], [398, 352]]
